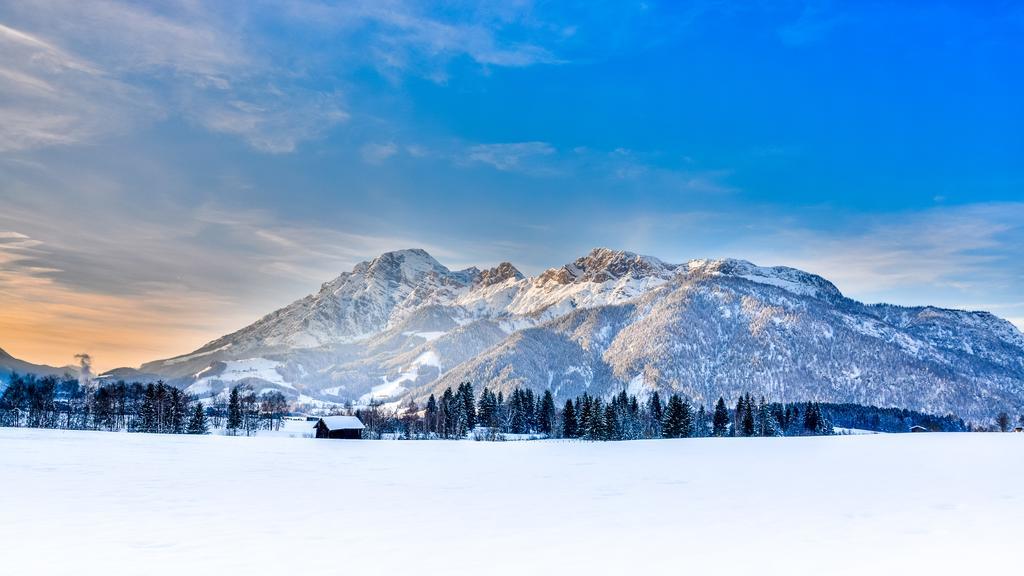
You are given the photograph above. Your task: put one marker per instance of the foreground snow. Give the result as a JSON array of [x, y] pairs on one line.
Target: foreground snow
[[104, 503]]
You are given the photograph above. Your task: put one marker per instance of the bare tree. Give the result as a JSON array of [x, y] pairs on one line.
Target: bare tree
[[272, 409]]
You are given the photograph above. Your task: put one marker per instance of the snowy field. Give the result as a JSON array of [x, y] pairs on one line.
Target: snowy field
[[87, 503]]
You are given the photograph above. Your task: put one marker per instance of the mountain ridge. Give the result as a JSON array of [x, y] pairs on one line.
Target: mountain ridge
[[9, 365], [402, 325]]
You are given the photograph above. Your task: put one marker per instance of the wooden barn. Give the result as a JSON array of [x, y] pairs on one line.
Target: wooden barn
[[918, 429], [339, 427]]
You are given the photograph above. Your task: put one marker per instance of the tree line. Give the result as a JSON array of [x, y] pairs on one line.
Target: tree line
[[52, 402], [894, 419], [491, 415], [65, 403]]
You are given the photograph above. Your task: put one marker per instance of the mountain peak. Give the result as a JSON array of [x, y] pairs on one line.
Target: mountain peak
[[791, 279], [407, 252], [603, 264], [411, 263], [499, 274]]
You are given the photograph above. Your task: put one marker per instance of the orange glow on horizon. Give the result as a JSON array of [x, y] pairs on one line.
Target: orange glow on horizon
[[44, 323]]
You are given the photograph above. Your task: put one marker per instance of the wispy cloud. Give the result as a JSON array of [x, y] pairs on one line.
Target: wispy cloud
[[508, 156], [268, 119], [376, 153], [51, 97], [107, 67], [400, 36], [968, 248], [15, 236], [74, 71]]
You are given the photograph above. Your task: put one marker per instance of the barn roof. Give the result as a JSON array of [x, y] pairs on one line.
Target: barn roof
[[342, 423]]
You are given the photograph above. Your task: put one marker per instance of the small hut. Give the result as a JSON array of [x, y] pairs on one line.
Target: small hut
[[918, 429], [339, 427]]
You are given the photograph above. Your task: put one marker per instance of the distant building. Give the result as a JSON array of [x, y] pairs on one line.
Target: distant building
[[339, 427], [918, 429], [1019, 429]]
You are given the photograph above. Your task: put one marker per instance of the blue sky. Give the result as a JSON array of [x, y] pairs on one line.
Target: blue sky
[[170, 171]]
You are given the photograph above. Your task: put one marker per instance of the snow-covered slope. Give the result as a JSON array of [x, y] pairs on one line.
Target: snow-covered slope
[[403, 324], [355, 305]]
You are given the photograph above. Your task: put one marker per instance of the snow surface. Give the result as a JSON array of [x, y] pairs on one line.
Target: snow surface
[[392, 388], [237, 370], [428, 336], [88, 503], [194, 355]]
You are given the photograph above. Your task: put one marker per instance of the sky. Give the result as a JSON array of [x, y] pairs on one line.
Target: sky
[[171, 171]]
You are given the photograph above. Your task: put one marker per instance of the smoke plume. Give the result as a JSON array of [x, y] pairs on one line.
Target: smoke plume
[[84, 368]]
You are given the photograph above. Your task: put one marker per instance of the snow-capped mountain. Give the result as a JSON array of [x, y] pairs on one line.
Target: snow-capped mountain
[[403, 325]]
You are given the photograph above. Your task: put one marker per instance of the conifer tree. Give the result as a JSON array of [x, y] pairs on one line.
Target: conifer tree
[[657, 414], [676, 423], [796, 422], [147, 416], [812, 419], [546, 414], [468, 405], [501, 412], [449, 416], [486, 408], [178, 411], [197, 424], [759, 420], [687, 430], [700, 423], [528, 406], [720, 421], [147, 411], [612, 425], [824, 427], [569, 420], [431, 415], [583, 414], [234, 412], [633, 424], [597, 424], [737, 421], [768, 422], [520, 408], [748, 416]]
